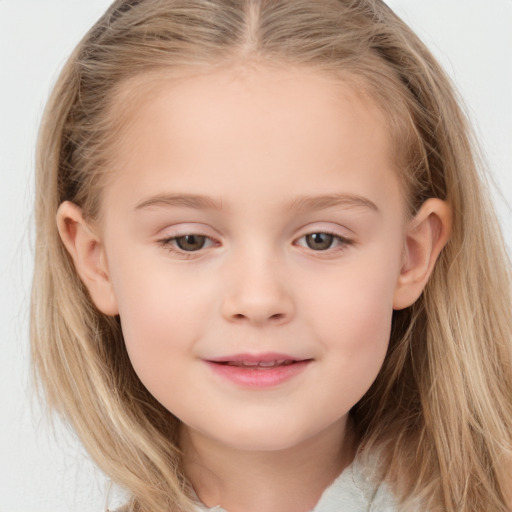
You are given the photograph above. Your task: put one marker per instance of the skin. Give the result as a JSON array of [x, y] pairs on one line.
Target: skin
[[254, 141]]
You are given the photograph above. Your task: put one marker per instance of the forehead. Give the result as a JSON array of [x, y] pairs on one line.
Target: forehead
[[252, 121], [302, 97]]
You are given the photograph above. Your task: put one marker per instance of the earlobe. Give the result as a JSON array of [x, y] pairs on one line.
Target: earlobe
[[87, 252], [426, 235]]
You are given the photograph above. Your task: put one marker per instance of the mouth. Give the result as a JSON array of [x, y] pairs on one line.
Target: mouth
[[257, 361], [263, 365], [258, 371]]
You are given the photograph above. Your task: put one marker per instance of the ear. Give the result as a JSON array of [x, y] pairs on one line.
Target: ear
[[426, 235], [88, 255]]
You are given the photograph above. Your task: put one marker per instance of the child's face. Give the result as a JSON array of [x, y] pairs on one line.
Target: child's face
[[286, 182]]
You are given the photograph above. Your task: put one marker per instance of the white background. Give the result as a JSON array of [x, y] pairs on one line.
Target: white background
[[46, 471]]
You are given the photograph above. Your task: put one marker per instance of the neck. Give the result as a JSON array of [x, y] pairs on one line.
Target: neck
[[288, 480]]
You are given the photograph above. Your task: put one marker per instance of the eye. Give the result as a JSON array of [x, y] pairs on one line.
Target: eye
[[319, 241], [188, 243], [323, 241]]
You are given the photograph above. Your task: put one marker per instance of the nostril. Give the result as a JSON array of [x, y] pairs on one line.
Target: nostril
[[274, 317]]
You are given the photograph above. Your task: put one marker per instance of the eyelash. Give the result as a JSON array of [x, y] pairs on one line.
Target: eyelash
[[170, 244], [341, 242]]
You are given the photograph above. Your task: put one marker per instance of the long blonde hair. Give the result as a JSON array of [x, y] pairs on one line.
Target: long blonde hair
[[440, 411]]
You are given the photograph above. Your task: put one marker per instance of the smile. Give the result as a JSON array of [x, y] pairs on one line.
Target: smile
[[258, 371]]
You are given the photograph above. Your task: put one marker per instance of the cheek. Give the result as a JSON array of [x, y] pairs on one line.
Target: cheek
[[160, 317], [352, 319], [356, 299]]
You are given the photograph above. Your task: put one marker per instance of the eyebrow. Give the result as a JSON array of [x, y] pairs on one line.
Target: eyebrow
[[297, 205], [308, 203], [196, 201]]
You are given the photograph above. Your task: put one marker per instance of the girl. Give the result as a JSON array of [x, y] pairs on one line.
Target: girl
[[267, 270]]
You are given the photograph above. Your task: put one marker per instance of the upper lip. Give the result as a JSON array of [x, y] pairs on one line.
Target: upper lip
[[267, 357]]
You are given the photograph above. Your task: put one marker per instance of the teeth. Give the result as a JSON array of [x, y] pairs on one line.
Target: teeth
[[261, 364], [268, 364]]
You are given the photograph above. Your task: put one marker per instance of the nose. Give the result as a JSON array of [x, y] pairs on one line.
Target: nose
[[257, 292]]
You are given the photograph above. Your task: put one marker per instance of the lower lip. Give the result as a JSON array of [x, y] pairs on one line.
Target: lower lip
[[259, 378]]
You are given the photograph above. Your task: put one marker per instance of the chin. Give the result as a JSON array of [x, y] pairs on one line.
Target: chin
[[264, 439]]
